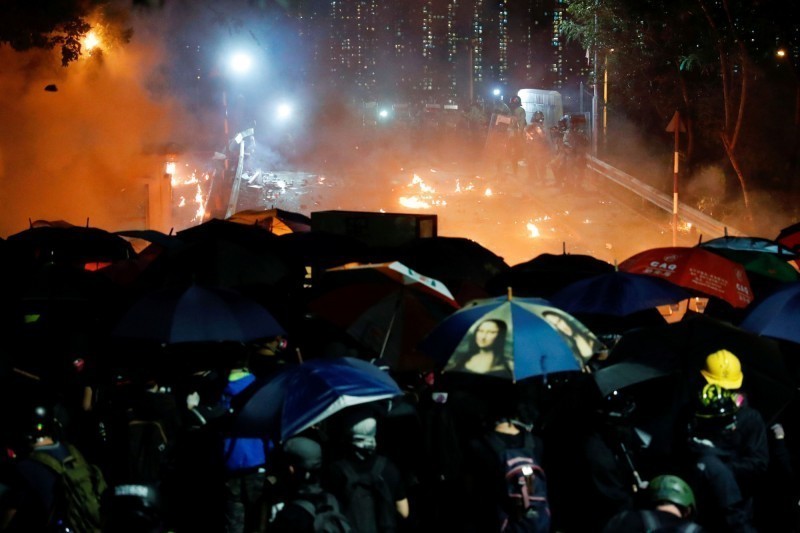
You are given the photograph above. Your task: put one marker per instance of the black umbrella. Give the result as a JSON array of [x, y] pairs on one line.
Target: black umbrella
[[545, 274], [76, 245]]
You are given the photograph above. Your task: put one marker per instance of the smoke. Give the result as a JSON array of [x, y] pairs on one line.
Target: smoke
[[78, 152]]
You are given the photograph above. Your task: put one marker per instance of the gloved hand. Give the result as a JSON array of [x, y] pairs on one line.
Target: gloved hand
[[192, 400], [703, 442]]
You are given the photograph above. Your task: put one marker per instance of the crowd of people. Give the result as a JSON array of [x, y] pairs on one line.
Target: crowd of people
[[110, 434]]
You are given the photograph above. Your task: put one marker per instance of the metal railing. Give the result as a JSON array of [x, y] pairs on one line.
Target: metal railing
[[706, 225]]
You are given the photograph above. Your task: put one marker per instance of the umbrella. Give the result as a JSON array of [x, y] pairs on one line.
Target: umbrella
[[547, 273], [618, 294], [757, 245], [760, 257], [790, 236], [696, 269], [77, 245], [512, 338], [680, 349], [305, 394], [249, 236], [387, 307], [462, 264], [777, 314], [197, 314], [222, 263], [275, 221]]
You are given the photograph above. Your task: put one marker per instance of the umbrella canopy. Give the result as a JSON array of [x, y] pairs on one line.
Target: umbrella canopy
[[387, 307], [545, 274], [222, 263], [617, 294], [249, 236], [695, 269], [275, 221], [680, 349], [76, 245], [790, 236], [511, 338], [757, 245], [462, 264], [197, 314], [777, 315], [303, 395]]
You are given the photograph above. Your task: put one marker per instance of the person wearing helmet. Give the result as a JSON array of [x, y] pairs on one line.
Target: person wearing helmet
[[516, 132], [537, 149], [728, 446], [668, 505]]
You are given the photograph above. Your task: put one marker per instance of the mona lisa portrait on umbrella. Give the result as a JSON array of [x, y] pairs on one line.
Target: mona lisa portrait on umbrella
[[511, 338]]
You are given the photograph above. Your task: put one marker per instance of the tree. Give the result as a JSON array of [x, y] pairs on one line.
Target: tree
[[29, 24], [705, 58]]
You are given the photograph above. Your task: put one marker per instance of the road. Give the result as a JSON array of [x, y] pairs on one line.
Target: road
[[508, 215]]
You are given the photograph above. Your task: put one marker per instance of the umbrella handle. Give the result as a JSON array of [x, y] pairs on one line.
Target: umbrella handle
[[299, 355]]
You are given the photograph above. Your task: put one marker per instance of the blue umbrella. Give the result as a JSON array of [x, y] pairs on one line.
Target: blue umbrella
[[617, 294], [777, 315], [308, 393], [197, 314], [512, 338]]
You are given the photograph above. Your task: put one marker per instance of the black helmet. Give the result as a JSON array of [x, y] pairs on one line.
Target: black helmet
[[516, 100], [538, 116], [671, 489], [563, 123], [617, 405], [41, 424]]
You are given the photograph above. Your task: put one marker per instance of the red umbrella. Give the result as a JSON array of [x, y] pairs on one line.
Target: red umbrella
[[387, 307], [695, 269], [790, 236]]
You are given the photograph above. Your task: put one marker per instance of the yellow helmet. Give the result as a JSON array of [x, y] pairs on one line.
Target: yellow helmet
[[724, 369]]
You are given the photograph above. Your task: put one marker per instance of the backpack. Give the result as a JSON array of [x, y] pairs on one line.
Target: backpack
[[327, 516], [147, 448], [367, 502], [81, 487], [523, 504]]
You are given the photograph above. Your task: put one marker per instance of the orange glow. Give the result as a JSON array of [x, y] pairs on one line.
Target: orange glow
[[91, 41]]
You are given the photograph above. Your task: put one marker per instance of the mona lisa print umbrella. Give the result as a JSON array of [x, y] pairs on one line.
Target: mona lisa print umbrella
[[512, 338]]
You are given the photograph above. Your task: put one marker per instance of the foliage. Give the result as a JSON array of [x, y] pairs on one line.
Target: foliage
[[713, 61], [58, 24]]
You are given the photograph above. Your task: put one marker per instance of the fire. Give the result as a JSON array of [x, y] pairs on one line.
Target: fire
[[533, 231], [488, 192], [91, 41], [424, 199], [201, 205], [414, 202]]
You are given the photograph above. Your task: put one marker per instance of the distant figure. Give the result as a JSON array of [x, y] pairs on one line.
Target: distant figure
[[537, 149], [516, 141]]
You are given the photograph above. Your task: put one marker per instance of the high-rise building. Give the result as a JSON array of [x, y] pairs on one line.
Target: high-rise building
[[435, 50]]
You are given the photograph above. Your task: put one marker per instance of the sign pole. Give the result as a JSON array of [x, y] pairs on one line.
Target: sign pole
[[675, 186], [675, 126]]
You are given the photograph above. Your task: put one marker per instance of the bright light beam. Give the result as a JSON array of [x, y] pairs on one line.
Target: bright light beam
[[241, 63]]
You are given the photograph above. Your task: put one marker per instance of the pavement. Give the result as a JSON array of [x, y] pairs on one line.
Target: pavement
[[506, 212]]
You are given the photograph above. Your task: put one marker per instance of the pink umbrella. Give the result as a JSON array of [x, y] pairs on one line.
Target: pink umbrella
[[695, 269]]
